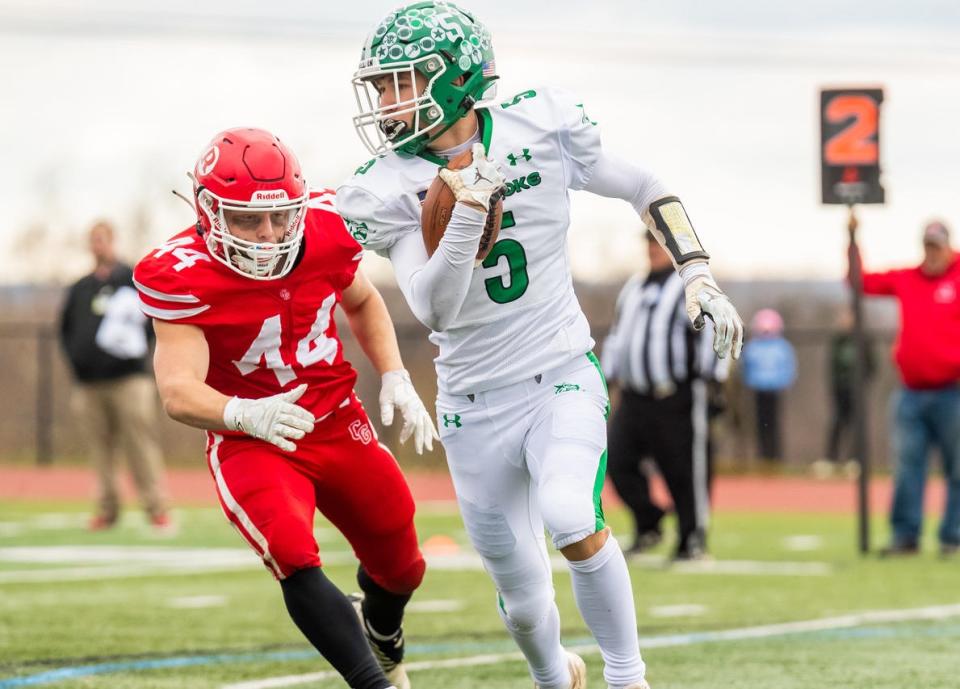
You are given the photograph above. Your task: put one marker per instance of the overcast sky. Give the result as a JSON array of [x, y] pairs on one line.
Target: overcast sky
[[621, 16], [106, 104]]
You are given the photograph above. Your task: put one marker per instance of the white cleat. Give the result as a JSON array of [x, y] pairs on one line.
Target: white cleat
[[642, 684], [578, 672], [398, 677]]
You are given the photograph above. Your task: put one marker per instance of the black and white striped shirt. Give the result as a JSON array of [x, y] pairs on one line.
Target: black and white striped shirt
[[652, 346]]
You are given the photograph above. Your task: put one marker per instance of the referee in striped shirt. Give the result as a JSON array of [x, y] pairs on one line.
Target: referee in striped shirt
[[663, 368]]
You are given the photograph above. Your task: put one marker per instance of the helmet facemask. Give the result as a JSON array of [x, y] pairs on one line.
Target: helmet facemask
[[384, 128], [254, 259]]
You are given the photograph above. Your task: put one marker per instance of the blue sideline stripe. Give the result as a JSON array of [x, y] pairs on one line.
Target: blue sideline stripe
[[69, 673]]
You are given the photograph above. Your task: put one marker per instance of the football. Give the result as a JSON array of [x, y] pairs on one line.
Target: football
[[438, 205]]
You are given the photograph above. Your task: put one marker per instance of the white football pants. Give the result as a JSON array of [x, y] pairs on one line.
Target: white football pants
[[526, 456], [533, 455]]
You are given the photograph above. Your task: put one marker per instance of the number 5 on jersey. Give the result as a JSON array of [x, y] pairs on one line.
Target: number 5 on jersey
[[314, 347]]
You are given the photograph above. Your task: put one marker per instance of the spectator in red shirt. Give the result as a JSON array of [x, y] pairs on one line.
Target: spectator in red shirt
[[926, 410]]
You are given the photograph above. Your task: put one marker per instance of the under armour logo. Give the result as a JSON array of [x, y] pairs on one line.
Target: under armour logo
[[513, 158], [451, 420]]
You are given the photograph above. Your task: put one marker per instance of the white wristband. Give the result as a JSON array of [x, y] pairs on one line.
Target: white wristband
[[231, 414], [693, 270], [400, 373]]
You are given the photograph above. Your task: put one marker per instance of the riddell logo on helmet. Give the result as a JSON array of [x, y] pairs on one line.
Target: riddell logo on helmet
[[279, 195]]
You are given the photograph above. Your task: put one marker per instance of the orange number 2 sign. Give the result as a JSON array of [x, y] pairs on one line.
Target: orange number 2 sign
[[855, 144]]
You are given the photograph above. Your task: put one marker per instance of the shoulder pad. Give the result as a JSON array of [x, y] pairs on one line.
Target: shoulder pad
[[167, 286], [382, 203], [322, 199]]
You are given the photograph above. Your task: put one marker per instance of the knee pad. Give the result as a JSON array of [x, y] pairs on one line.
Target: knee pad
[[573, 468], [394, 561], [406, 580], [524, 608], [566, 503], [488, 530]]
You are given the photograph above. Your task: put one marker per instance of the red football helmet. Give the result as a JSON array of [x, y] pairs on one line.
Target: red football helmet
[[247, 169]]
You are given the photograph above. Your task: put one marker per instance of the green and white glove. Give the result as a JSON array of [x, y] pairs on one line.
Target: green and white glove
[[476, 183], [705, 299]]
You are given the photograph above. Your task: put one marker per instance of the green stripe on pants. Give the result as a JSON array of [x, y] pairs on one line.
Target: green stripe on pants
[[602, 468]]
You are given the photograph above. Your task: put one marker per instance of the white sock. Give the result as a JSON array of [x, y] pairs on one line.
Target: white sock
[[541, 647], [601, 587]]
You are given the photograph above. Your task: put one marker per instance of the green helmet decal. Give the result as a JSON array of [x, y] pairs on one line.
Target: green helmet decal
[[434, 45]]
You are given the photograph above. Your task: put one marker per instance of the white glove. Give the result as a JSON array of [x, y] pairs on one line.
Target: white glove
[[397, 391], [476, 183], [274, 419], [706, 299]]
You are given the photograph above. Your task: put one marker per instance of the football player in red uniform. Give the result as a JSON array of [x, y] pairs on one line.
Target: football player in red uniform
[[247, 349]]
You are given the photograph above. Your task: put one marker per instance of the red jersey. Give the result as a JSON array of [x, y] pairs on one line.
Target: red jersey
[[265, 336], [927, 350]]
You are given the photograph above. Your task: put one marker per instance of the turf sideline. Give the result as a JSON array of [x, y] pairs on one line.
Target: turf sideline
[[937, 612]]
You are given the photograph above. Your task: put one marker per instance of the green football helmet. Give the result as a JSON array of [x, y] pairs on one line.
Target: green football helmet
[[453, 54]]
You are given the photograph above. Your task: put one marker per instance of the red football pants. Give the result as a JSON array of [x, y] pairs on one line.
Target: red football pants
[[341, 469]]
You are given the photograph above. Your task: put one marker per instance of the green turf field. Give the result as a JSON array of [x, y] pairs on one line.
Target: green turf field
[[786, 604]]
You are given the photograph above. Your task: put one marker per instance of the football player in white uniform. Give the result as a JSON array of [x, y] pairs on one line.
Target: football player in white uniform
[[522, 402]]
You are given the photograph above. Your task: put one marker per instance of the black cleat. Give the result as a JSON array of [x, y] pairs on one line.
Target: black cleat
[[388, 650]]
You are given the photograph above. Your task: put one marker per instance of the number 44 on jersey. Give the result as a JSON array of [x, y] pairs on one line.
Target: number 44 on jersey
[[313, 348]]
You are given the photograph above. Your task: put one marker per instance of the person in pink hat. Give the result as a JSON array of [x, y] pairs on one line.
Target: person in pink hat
[[769, 368]]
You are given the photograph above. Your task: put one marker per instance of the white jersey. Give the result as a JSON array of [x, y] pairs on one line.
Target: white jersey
[[520, 316]]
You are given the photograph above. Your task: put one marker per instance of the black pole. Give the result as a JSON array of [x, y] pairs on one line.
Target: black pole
[[859, 383], [44, 410]]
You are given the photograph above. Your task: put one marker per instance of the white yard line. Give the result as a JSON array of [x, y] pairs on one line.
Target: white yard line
[[293, 680], [73, 562], [860, 619], [435, 606], [937, 612], [11, 529], [678, 610], [803, 543], [745, 567], [78, 563], [753, 568], [197, 602]]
